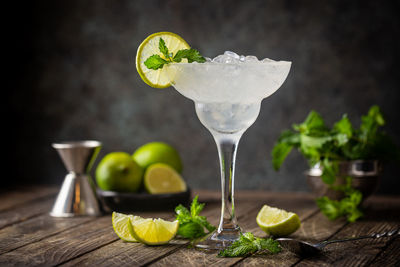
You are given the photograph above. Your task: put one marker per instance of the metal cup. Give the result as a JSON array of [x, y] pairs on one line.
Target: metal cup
[[77, 195], [365, 178]]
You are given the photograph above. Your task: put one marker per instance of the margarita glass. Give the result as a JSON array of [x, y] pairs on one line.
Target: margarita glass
[[227, 97]]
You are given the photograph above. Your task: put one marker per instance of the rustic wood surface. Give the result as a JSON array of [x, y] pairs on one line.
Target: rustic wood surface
[[30, 237]]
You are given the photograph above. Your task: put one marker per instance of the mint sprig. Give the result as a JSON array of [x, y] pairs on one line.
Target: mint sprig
[[347, 206], [248, 244], [191, 224], [156, 62], [164, 49]]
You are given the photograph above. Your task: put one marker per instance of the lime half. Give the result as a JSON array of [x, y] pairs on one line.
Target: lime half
[[154, 231], [160, 178], [277, 222], [121, 225], [157, 78]]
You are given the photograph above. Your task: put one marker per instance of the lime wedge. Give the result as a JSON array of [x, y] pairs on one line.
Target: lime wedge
[[277, 222], [160, 178], [157, 78], [120, 223], [154, 231]]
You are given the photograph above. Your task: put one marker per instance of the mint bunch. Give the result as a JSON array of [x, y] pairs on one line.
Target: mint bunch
[[191, 224], [248, 244], [155, 61], [325, 145]]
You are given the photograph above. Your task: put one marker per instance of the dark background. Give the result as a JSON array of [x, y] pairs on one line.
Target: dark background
[[71, 75]]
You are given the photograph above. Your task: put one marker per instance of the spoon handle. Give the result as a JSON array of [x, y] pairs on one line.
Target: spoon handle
[[373, 235]]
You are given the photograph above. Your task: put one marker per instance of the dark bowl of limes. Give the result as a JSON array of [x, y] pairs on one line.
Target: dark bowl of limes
[[147, 180]]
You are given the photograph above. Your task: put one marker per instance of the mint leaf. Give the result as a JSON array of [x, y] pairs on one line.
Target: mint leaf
[[341, 139], [196, 207], [308, 141], [329, 171], [369, 125], [248, 244], [330, 208], [192, 55], [312, 146], [182, 214], [287, 140], [202, 220], [190, 230], [191, 224], [347, 206], [279, 154], [344, 126], [268, 244], [163, 48], [344, 131], [155, 62], [313, 123]]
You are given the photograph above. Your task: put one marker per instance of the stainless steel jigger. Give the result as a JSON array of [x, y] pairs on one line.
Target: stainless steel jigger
[[77, 195]]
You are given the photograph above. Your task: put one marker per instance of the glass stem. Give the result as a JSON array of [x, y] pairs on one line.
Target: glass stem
[[227, 147]]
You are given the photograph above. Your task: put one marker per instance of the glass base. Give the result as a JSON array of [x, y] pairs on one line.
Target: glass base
[[218, 240]]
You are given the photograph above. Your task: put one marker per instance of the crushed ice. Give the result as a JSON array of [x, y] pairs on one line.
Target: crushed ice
[[232, 57]]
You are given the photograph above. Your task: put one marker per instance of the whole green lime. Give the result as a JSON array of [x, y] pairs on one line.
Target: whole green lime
[[117, 171], [158, 152]]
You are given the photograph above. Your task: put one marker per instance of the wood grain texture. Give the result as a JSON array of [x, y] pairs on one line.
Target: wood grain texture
[[25, 211], [314, 227], [128, 254], [378, 218], [15, 197], [69, 244], [58, 248], [390, 256], [35, 229], [132, 254], [307, 212], [249, 210], [30, 237], [139, 254]]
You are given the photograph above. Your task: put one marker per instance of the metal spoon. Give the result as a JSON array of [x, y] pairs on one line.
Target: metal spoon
[[303, 248]]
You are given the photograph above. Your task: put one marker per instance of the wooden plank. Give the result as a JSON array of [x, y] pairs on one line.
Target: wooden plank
[[132, 254], [121, 253], [390, 256], [25, 211], [21, 195], [68, 244], [35, 229], [194, 257], [57, 248], [379, 218]]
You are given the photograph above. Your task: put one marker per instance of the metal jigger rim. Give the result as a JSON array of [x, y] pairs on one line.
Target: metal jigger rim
[[74, 144]]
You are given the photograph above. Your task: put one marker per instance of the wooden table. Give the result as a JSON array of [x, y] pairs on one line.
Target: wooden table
[[30, 237]]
